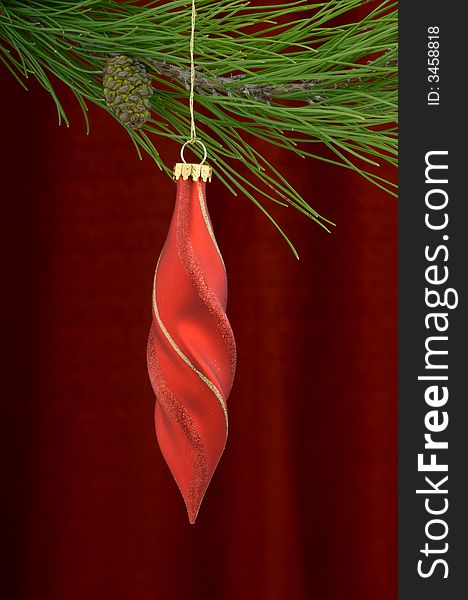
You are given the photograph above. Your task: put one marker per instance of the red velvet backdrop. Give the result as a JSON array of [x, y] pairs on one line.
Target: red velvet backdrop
[[303, 504]]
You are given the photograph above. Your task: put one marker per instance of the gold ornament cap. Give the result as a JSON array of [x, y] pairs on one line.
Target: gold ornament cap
[[195, 171]]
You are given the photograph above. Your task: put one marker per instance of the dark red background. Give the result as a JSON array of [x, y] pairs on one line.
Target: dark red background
[[303, 504]]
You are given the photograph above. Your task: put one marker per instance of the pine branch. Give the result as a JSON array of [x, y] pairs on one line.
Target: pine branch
[[302, 82], [233, 85]]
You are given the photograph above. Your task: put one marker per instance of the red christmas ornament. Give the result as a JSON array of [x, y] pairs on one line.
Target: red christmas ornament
[[191, 348]]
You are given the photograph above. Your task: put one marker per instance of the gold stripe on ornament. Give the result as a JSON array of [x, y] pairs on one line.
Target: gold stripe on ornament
[[206, 218]]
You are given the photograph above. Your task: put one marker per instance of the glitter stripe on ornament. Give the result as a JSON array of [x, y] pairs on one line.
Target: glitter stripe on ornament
[[205, 380]]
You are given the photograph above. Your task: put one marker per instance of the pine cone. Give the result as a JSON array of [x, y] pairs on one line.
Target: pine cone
[[127, 90]]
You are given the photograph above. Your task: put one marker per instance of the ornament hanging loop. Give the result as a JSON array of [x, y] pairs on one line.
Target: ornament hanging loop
[[195, 141]]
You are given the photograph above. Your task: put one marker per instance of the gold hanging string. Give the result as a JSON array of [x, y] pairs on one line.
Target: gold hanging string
[[193, 131]]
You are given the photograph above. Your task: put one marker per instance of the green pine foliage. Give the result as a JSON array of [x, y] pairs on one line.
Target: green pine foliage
[[309, 78]]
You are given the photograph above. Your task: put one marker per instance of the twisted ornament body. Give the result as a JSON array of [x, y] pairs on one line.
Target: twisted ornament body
[[191, 348]]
